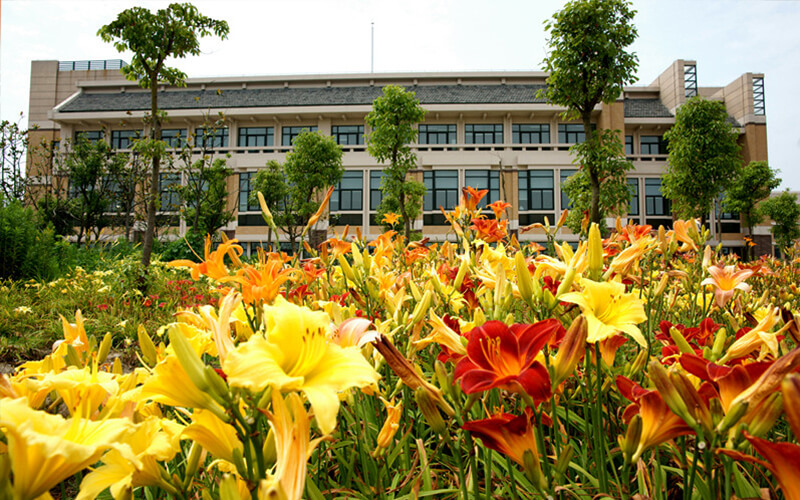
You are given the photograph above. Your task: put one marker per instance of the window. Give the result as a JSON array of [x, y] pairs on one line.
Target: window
[[256, 136], [442, 189], [347, 135], [652, 145], [759, 109], [174, 137], [730, 222], [170, 201], [571, 133], [628, 145], [375, 192], [566, 173], [348, 194], [633, 207], [536, 190], [655, 203], [484, 179], [115, 200], [206, 137], [484, 134], [123, 139], [289, 133], [690, 80], [89, 135], [531, 133], [437, 134], [244, 193]]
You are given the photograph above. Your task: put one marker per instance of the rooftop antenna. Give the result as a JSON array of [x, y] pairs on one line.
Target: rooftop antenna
[[372, 48]]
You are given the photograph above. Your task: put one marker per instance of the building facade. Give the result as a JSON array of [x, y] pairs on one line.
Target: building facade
[[488, 130]]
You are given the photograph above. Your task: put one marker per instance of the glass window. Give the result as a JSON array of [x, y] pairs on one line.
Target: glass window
[[174, 137], [349, 193], [531, 133], [256, 136], [123, 139], [536, 190], [437, 134], [170, 201], [652, 145], [566, 173], [206, 137], [375, 192], [90, 135], [484, 134], [289, 133], [441, 189], [347, 135], [571, 133], [655, 203], [244, 193], [628, 145], [484, 179], [633, 186]]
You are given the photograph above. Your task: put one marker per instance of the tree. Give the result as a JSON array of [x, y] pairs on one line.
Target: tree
[[271, 183], [14, 144], [393, 121], [783, 210], [171, 32], [205, 195], [703, 157], [88, 165], [311, 167], [588, 65], [754, 183]]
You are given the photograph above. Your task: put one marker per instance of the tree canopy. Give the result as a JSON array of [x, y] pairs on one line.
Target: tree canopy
[[393, 121], [703, 157], [755, 182], [785, 212], [589, 64]]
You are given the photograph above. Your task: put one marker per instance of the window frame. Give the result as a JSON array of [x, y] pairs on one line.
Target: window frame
[[428, 131], [543, 133], [294, 131], [471, 133], [338, 134], [245, 134]]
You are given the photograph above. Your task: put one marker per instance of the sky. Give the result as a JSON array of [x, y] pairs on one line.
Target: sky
[[291, 37]]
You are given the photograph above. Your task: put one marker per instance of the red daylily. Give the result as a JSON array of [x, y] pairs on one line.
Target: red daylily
[[507, 434], [505, 357], [781, 460]]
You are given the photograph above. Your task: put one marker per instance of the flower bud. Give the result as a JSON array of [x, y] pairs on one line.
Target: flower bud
[[595, 252], [429, 410], [766, 414], [680, 341], [191, 363], [630, 443], [149, 351], [105, 347], [661, 379], [524, 281]]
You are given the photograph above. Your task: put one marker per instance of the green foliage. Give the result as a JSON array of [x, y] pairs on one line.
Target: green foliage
[[190, 247], [783, 210], [26, 250], [703, 157], [393, 121], [293, 190], [588, 65], [754, 183], [14, 146], [153, 37], [606, 152]]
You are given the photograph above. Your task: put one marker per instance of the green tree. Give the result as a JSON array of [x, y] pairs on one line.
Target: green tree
[[89, 164], [205, 194], [783, 210], [754, 183], [615, 195], [703, 157], [14, 144], [393, 121], [311, 167], [173, 32], [589, 64], [271, 183]]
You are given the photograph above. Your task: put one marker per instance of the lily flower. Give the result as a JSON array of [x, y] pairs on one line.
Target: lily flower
[[470, 197], [444, 335], [781, 460], [391, 218], [726, 280], [759, 337], [171, 385], [213, 264], [499, 207], [355, 332], [390, 425], [46, 449], [608, 310], [297, 355], [213, 434], [505, 357]]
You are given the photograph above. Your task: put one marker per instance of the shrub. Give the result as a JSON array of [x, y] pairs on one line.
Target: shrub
[[26, 250]]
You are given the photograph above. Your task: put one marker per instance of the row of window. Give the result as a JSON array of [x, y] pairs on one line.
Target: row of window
[[536, 191], [346, 135]]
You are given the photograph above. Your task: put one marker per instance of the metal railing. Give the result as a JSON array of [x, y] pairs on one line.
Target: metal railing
[[94, 64]]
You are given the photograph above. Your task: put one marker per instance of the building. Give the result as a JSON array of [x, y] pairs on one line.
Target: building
[[488, 130]]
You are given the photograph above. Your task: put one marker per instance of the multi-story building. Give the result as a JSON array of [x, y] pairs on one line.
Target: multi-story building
[[488, 130]]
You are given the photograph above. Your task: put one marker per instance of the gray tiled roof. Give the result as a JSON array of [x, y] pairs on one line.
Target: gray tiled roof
[[310, 96], [646, 108]]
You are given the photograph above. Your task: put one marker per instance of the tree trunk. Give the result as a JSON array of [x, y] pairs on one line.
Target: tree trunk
[[149, 234], [594, 207]]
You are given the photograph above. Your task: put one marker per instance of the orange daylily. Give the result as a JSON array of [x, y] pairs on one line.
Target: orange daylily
[[471, 197], [499, 207], [488, 230], [391, 218], [781, 460], [262, 282], [213, 264]]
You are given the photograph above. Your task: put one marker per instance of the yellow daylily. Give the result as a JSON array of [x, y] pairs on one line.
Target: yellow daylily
[[213, 434], [171, 385], [135, 462], [442, 334], [759, 337], [46, 449], [218, 325], [297, 355], [608, 310], [82, 389]]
